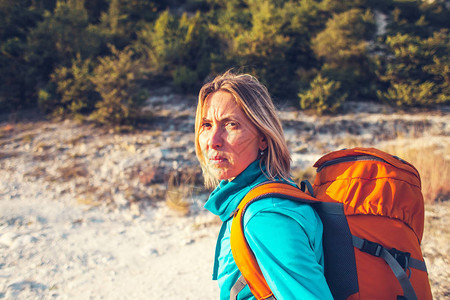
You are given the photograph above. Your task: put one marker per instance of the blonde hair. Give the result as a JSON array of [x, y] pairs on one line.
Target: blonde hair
[[255, 101]]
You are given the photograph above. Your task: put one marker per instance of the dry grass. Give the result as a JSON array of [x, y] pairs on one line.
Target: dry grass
[[154, 133], [348, 141], [37, 172], [436, 248], [432, 164], [176, 199], [91, 197], [299, 175], [89, 200], [42, 147], [6, 155], [179, 192], [72, 171], [28, 138], [76, 140], [42, 157]]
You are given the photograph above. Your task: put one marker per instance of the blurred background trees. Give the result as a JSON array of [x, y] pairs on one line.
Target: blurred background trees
[[97, 59]]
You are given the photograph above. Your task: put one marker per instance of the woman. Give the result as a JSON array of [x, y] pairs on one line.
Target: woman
[[240, 143]]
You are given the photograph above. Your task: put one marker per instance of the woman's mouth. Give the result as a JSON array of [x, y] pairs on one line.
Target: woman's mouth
[[217, 159]]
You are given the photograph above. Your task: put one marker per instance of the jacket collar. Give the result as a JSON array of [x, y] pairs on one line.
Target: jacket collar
[[228, 194]]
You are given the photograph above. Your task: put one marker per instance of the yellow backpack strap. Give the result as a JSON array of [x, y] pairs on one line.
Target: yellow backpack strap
[[242, 254]]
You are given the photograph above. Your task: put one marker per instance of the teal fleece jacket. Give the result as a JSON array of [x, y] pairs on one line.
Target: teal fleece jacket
[[285, 236]]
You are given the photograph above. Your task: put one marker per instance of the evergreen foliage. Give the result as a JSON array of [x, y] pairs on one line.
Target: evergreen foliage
[[116, 79], [71, 91], [178, 49], [343, 48], [324, 96], [60, 37], [54, 53], [416, 71], [17, 17], [271, 39]]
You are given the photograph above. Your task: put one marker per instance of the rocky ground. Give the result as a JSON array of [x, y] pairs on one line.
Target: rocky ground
[[88, 213]]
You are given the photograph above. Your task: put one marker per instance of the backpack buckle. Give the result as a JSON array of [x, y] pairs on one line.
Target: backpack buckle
[[234, 212], [372, 248], [401, 257]]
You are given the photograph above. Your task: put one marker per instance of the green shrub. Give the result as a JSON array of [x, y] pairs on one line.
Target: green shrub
[[17, 83], [117, 80], [60, 37], [416, 71], [185, 78], [159, 42], [178, 48], [71, 91], [120, 22], [410, 94], [342, 48], [271, 39], [323, 96]]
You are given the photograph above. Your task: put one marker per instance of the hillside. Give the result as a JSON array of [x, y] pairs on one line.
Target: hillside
[[83, 211]]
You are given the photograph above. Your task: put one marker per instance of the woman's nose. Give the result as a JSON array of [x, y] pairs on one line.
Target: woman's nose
[[215, 140]]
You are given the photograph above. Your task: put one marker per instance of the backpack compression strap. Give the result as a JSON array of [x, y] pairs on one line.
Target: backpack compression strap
[[393, 258], [242, 254]]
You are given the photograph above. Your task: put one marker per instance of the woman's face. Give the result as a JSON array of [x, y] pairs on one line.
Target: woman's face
[[228, 139]]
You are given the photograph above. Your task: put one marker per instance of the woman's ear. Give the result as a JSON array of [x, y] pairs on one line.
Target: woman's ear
[[262, 143]]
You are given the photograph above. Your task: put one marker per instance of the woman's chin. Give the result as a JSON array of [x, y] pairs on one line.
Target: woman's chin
[[223, 175]]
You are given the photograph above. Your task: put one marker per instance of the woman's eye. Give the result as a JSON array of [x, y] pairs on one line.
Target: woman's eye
[[206, 125], [231, 125]]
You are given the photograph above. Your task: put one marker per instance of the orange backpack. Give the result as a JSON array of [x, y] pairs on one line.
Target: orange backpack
[[372, 211]]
